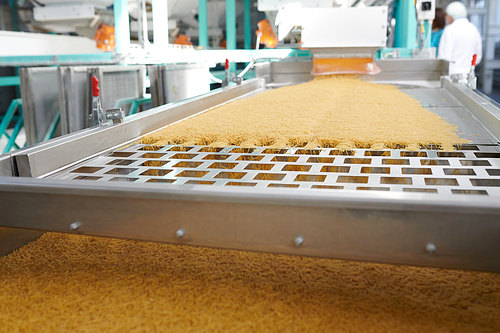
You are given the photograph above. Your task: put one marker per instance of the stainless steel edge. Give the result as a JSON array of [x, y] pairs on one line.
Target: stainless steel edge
[[381, 227], [484, 111], [43, 158], [6, 166]]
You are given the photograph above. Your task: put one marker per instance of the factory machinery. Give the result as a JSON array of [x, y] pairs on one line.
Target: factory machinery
[[428, 207]]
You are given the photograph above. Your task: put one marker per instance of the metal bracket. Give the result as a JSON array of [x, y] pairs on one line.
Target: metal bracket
[[116, 115]]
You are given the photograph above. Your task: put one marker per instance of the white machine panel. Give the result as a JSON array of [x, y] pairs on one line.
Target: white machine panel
[[270, 5], [62, 12], [336, 27]]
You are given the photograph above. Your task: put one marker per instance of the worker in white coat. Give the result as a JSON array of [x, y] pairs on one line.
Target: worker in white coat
[[460, 40]]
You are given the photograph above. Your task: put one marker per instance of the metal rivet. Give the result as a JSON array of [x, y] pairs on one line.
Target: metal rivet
[[298, 241], [431, 248], [75, 225], [180, 233]]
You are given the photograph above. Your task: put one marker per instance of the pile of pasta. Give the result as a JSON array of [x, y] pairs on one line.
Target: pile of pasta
[[72, 283], [340, 112]]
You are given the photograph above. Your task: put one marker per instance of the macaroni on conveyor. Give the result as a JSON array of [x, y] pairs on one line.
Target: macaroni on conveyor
[[72, 283], [340, 112]]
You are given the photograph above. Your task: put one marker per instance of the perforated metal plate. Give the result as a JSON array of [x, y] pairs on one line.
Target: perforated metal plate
[[472, 170]]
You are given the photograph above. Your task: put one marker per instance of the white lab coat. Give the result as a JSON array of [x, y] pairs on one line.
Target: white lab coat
[[459, 42]]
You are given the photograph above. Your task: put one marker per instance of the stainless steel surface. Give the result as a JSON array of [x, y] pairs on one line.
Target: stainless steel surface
[[44, 158], [392, 227], [475, 171], [6, 166], [13, 238], [428, 208]]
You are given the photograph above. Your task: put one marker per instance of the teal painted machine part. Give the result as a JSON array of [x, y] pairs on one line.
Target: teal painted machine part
[[122, 26], [9, 115], [102, 58], [428, 32], [405, 32], [7, 81], [12, 139], [203, 23], [247, 23], [231, 28], [12, 4], [135, 103]]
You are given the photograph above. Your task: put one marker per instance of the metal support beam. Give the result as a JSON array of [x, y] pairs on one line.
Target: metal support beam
[[406, 25], [202, 23], [122, 26], [160, 23], [247, 23], [12, 4], [231, 28]]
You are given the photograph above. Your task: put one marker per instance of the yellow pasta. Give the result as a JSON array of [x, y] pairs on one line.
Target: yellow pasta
[[334, 112], [71, 283]]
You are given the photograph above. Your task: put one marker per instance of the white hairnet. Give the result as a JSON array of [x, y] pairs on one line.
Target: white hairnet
[[457, 10]]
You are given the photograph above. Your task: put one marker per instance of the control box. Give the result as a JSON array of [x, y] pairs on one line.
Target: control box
[[426, 9]]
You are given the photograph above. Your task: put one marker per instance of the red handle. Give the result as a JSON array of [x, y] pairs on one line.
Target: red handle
[[227, 64], [95, 86], [474, 58]]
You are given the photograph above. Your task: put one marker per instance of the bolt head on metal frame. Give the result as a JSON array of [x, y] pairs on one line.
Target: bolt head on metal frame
[[431, 248], [298, 241], [180, 233], [75, 225]]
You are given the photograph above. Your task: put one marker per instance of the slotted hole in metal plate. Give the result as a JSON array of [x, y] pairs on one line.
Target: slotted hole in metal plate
[[441, 181], [230, 175], [222, 165], [475, 163], [200, 182], [416, 171], [120, 171], [375, 170], [342, 152], [352, 179], [426, 190], [216, 157], [310, 178], [274, 151], [482, 192], [296, 167], [156, 172], [187, 164], [358, 161], [485, 182], [328, 187], [396, 180], [121, 154], [451, 154], [459, 172], [466, 147], [153, 155], [250, 158], [210, 150], [487, 155], [242, 150], [377, 153], [395, 161], [240, 184], [151, 148], [258, 166], [123, 179], [308, 151], [335, 168], [434, 162], [86, 178], [87, 169], [184, 156], [192, 173], [413, 154], [282, 185], [269, 176], [160, 180], [180, 148], [493, 172], [320, 160], [153, 163], [370, 188], [285, 159], [120, 162]]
